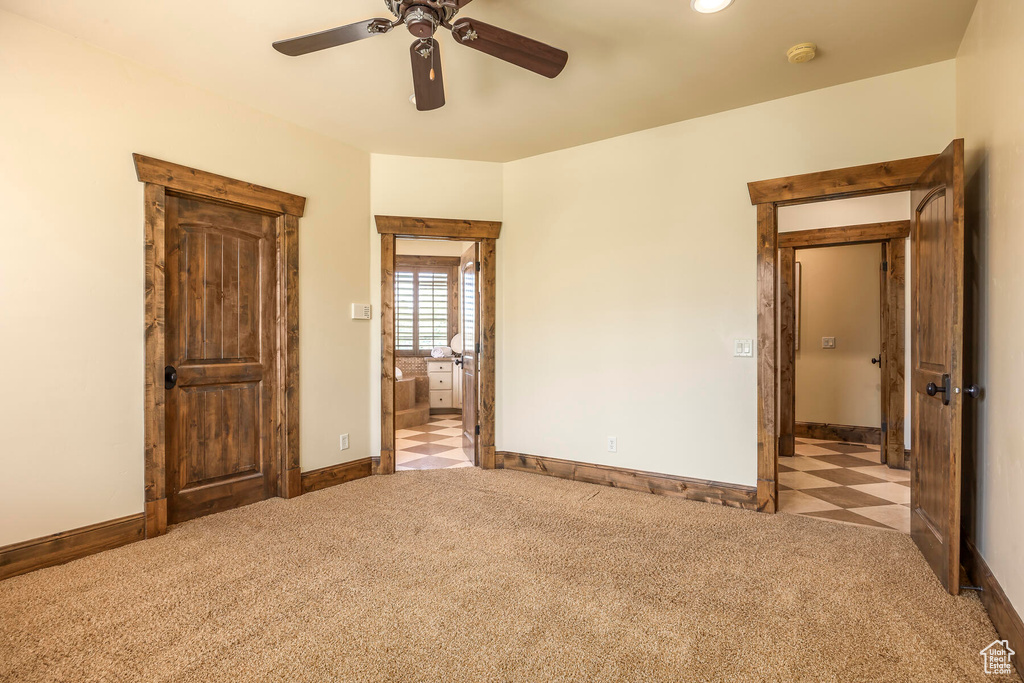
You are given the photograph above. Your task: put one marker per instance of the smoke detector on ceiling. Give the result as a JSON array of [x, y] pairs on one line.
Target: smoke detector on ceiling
[[804, 52]]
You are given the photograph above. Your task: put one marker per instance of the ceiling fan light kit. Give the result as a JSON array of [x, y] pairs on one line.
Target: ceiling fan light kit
[[422, 18]]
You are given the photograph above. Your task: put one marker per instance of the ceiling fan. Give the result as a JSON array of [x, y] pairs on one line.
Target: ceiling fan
[[422, 18]]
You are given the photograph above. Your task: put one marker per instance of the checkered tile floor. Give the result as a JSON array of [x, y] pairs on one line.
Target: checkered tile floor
[[844, 482], [436, 445]]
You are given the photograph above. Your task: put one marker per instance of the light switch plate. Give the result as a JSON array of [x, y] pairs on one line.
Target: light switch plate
[[361, 311], [613, 444], [344, 442], [744, 348], [828, 342]]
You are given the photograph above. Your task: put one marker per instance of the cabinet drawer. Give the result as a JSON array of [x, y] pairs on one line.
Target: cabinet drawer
[[441, 399], [440, 381], [439, 366]]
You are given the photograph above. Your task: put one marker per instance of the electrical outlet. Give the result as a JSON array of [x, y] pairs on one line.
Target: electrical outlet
[[828, 342], [344, 442], [613, 444], [744, 348]]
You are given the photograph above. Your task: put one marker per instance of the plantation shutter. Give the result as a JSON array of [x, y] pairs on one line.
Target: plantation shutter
[[432, 295], [405, 309]]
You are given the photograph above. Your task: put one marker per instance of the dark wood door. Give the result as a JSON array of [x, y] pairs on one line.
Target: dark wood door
[[220, 322], [937, 239], [469, 300]]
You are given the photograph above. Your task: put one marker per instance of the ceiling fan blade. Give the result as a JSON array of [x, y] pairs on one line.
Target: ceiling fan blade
[[511, 47], [427, 80], [293, 47]]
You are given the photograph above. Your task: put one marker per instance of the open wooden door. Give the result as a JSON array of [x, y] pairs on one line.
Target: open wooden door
[[937, 288], [469, 301]]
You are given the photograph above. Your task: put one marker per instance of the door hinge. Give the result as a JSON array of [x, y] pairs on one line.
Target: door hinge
[[478, 266], [478, 348], [478, 430], [885, 426], [885, 266]]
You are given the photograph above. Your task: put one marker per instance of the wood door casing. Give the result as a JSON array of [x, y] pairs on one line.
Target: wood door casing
[[469, 286], [937, 238], [220, 310]]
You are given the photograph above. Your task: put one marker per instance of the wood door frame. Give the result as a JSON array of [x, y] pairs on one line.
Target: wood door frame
[[160, 179], [767, 196], [891, 236], [486, 233]]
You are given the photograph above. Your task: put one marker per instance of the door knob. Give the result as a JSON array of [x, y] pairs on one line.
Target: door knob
[[933, 389], [876, 361], [974, 391], [170, 377]]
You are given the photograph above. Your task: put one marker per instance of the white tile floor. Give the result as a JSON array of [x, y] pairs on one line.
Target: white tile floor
[[439, 444]]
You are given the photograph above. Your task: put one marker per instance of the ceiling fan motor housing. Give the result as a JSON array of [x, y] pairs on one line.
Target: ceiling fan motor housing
[[421, 21]]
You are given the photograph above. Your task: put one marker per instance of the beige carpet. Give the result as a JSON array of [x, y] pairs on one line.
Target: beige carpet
[[465, 575]]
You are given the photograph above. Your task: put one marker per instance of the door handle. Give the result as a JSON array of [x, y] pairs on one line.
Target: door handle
[[876, 361], [974, 391], [170, 377], [933, 389]]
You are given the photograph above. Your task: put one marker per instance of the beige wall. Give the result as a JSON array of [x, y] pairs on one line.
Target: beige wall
[[990, 117], [426, 247], [839, 298], [71, 270], [632, 263], [430, 188]]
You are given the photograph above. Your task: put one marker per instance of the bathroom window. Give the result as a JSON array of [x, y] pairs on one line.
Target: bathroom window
[[424, 298]]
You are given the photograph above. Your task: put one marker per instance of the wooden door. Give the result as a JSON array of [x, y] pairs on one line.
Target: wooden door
[[469, 299], [220, 343], [937, 239]]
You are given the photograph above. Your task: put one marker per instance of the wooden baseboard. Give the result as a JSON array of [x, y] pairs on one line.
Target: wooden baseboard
[[831, 432], [315, 480], [731, 495], [1004, 617], [47, 551]]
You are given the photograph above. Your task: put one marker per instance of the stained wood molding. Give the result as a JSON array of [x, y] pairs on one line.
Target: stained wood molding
[[486, 359], [387, 355], [1004, 617], [889, 176], [834, 432], [212, 186], [849, 234], [729, 495], [787, 351], [438, 227], [325, 477], [767, 346], [48, 551]]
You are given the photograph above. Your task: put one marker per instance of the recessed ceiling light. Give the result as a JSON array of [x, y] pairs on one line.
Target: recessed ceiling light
[[709, 6]]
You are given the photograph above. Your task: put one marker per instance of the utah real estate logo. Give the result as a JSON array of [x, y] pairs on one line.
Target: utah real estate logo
[[997, 658]]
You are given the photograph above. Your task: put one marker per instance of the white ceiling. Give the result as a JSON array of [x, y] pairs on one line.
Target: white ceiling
[[632, 65]]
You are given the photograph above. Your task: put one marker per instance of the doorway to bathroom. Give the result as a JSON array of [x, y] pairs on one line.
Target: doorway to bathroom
[[435, 337], [437, 343]]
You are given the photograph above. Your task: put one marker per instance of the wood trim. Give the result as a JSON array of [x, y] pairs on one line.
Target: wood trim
[[427, 261], [895, 351], [154, 406], [730, 495], [1000, 610], [212, 186], [889, 176], [767, 378], [159, 178], [486, 358], [387, 354], [438, 227], [834, 432], [849, 234], [787, 351], [325, 477], [48, 551]]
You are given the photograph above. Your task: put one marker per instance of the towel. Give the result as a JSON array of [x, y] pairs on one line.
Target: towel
[[441, 352]]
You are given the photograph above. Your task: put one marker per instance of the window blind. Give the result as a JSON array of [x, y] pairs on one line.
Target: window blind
[[421, 309]]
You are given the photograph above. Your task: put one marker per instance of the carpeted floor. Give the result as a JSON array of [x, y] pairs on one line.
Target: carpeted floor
[[466, 575]]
